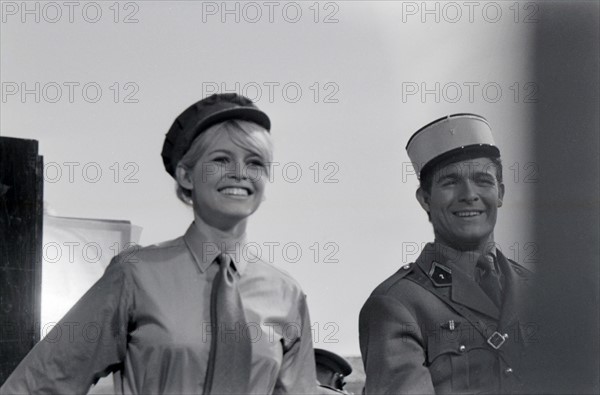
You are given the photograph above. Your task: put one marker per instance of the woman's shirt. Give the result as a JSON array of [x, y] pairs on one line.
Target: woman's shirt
[[148, 318]]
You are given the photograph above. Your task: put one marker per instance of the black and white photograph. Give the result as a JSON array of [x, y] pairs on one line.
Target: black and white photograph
[[299, 197]]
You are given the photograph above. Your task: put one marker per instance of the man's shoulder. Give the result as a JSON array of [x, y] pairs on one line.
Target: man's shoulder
[[520, 269], [397, 281]]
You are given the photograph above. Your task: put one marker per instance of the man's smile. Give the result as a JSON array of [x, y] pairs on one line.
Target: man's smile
[[467, 213]]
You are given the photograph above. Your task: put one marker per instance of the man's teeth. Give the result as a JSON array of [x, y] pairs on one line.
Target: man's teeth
[[467, 213], [235, 191]]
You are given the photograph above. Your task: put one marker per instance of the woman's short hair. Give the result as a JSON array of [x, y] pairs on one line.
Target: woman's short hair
[[240, 132]]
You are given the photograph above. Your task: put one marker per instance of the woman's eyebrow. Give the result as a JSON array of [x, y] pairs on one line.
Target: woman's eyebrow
[[220, 150], [247, 153]]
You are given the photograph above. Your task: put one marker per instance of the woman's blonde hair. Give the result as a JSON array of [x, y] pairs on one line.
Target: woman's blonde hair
[[241, 134]]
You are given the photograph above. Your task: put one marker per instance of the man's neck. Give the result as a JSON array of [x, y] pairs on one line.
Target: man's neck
[[485, 246]]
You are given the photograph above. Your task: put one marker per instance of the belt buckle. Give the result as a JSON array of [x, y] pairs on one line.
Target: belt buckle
[[497, 340]]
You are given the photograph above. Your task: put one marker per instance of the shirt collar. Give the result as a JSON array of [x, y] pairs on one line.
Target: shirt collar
[[205, 252]]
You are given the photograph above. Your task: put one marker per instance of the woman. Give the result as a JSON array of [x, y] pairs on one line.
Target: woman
[[195, 314]]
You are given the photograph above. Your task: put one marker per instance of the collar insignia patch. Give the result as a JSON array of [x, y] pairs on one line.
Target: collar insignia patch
[[440, 275]]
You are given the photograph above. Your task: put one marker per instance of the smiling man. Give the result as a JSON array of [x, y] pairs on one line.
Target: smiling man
[[450, 322]]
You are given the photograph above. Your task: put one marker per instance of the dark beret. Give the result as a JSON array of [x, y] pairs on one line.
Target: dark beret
[[331, 361], [202, 115]]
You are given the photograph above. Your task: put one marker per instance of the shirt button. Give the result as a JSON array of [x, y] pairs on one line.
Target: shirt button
[[462, 348], [508, 371]]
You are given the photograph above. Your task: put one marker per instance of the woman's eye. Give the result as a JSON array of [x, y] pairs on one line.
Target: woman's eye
[[256, 163], [220, 159]]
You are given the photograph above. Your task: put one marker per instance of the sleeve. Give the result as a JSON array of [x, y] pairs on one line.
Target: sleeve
[[88, 343], [297, 374], [392, 349]]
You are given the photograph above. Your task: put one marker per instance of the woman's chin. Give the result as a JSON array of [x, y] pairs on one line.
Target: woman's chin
[[229, 218]]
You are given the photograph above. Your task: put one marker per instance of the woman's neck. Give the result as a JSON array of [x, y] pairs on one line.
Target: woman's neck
[[230, 237]]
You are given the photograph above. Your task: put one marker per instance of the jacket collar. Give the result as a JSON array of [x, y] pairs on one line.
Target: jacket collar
[[464, 289]]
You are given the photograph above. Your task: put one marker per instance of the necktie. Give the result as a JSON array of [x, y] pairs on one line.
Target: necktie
[[230, 355], [489, 278]]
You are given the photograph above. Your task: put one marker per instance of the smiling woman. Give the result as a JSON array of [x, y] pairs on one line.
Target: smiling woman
[[224, 173], [216, 153], [191, 315]]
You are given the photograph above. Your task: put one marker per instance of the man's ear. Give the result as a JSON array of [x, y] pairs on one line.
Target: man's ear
[[423, 198], [184, 178], [500, 194]]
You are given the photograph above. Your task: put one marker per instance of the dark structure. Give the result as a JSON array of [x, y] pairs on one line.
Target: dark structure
[[567, 141], [21, 213]]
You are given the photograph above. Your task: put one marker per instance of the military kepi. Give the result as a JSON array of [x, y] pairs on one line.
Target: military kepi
[[202, 115], [458, 135]]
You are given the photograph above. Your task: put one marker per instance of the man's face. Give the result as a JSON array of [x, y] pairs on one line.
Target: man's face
[[463, 203]]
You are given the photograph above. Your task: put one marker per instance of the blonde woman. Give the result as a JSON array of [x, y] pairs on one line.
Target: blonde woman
[[192, 315]]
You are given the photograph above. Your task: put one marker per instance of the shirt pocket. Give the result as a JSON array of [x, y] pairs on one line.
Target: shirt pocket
[[455, 357]]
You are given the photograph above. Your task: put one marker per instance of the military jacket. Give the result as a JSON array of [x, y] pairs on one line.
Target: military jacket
[[430, 329]]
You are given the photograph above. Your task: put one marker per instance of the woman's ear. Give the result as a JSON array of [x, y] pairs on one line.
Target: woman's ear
[[184, 178], [423, 198]]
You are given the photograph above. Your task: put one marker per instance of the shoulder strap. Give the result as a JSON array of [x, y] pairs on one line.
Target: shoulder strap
[[495, 339]]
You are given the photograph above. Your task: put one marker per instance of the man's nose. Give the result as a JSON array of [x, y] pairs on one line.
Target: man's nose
[[468, 192]]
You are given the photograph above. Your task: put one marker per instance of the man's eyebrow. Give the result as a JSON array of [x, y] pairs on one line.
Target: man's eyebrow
[[481, 173], [445, 176]]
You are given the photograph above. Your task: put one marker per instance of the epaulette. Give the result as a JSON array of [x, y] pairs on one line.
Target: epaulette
[[520, 269], [404, 270]]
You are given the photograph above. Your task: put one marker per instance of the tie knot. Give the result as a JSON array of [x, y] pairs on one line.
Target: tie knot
[[486, 263], [224, 260]]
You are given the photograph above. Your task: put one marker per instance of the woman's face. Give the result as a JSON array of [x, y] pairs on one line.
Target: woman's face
[[228, 181]]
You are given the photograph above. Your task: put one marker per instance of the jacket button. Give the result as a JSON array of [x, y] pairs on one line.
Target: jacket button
[[406, 267], [508, 371], [462, 348]]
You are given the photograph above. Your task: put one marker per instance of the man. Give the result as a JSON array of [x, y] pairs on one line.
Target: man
[[331, 371], [450, 322]]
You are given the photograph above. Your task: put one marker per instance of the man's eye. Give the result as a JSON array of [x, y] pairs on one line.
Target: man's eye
[[448, 182], [486, 181]]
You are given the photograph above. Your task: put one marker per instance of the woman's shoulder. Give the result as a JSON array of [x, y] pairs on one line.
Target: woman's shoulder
[[158, 252], [269, 272]]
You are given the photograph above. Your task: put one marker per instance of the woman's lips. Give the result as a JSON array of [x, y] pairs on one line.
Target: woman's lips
[[235, 191]]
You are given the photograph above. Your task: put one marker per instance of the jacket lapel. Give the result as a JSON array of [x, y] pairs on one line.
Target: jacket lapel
[[468, 293], [463, 290], [513, 294]]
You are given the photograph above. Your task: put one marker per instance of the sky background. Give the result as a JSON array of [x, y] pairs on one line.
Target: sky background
[[343, 97]]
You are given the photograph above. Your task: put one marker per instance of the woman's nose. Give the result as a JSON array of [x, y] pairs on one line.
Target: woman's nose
[[236, 170]]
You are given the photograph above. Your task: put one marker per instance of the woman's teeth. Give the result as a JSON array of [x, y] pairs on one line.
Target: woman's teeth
[[235, 191]]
